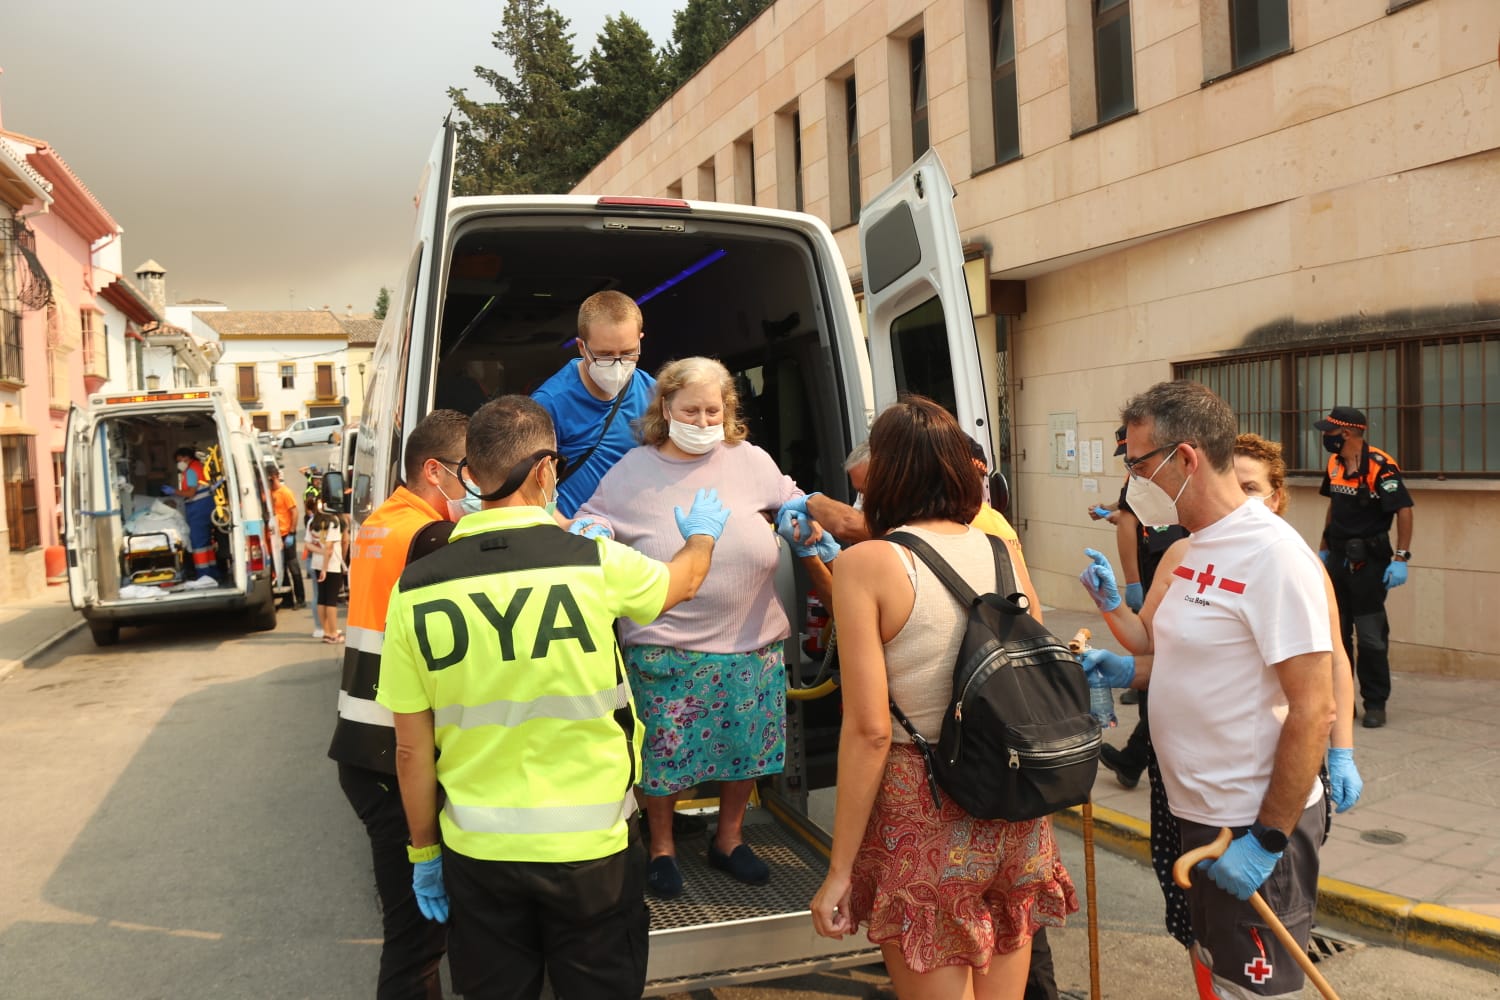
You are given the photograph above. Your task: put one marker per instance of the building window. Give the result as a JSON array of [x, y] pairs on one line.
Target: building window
[[917, 49], [95, 351], [707, 184], [1114, 82], [1006, 109], [324, 383], [58, 471], [1258, 29], [851, 143], [21, 517], [1432, 402], [744, 169], [288, 418], [245, 377], [797, 157], [789, 159], [260, 421], [11, 358], [289, 376]]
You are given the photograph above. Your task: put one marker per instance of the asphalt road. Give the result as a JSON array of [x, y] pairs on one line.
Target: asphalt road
[[173, 829]]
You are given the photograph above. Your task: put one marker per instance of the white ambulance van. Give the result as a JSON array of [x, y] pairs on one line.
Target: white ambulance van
[[489, 306], [128, 545]]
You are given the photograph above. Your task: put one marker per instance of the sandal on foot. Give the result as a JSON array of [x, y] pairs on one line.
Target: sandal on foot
[[741, 864], [663, 877]]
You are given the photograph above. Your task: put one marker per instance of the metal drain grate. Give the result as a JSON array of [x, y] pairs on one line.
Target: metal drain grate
[[710, 896], [1322, 944]]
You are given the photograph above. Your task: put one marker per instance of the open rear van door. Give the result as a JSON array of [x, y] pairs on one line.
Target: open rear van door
[[917, 307], [417, 354], [81, 539]]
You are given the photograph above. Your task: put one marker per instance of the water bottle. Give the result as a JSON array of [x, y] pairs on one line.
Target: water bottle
[[1102, 706]]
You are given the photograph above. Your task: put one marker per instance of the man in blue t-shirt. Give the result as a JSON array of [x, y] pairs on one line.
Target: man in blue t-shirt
[[592, 431]]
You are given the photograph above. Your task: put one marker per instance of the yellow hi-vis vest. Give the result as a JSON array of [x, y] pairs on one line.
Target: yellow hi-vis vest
[[507, 636]]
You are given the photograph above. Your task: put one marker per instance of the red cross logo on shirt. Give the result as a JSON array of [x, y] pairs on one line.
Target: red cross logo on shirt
[[1258, 970], [1206, 579]]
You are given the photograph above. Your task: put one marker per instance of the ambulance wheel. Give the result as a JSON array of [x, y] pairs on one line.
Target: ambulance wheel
[[104, 633], [263, 619]]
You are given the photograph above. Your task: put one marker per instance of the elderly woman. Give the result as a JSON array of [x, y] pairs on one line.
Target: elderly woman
[[952, 900], [708, 676]]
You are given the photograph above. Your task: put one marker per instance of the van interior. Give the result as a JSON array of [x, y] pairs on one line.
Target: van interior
[[143, 540], [748, 295]]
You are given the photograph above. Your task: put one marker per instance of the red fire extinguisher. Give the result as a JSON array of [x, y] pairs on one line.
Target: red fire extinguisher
[[815, 621]]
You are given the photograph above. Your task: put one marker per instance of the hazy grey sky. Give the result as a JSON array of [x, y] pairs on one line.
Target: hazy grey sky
[[264, 153]]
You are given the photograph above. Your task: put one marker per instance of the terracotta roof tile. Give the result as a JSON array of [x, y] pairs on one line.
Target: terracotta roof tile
[[362, 332], [277, 323]]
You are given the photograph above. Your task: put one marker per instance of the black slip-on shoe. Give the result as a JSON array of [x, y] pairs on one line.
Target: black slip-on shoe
[[741, 864], [1374, 718], [664, 878], [1127, 776]]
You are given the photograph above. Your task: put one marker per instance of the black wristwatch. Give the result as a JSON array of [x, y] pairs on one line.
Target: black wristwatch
[[1270, 838]]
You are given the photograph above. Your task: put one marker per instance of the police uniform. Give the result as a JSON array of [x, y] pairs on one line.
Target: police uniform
[[399, 531], [506, 636], [1362, 502]]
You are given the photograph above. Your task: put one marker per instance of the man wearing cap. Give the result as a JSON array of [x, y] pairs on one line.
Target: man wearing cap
[[1365, 492]]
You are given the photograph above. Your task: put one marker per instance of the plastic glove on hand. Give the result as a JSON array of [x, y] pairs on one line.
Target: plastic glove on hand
[[1099, 580], [801, 532], [1243, 868], [706, 517], [427, 884], [589, 528], [1343, 778], [1108, 670], [1135, 596], [799, 504], [167, 491], [1395, 574], [828, 548]]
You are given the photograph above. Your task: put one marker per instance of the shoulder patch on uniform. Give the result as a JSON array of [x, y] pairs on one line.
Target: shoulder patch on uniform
[[1391, 485], [1377, 458]]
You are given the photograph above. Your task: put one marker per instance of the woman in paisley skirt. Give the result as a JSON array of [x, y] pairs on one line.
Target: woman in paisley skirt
[[953, 901], [708, 676]]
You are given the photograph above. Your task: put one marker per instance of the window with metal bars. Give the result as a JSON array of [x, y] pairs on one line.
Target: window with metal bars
[[11, 357], [1432, 402]]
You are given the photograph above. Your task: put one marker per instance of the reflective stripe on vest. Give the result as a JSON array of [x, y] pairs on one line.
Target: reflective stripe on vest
[[365, 710], [547, 820], [366, 640], [568, 708]]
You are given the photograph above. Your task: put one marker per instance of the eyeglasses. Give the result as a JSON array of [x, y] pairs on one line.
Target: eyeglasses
[[1131, 464], [608, 360], [515, 477]]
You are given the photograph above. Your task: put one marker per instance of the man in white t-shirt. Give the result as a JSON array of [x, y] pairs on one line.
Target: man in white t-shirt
[[1240, 680]]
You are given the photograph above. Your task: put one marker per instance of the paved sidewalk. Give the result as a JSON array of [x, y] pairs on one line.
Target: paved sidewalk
[[29, 628], [1418, 858]]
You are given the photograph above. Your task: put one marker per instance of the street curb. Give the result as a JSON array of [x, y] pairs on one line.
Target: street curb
[[7, 666], [1426, 927]]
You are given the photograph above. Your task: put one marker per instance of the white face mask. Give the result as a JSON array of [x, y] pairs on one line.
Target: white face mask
[[182, 466], [693, 439], [1150, 502], [613, 377]]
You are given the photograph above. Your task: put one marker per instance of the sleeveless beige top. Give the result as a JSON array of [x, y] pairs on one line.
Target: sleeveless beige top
[[919, 660]]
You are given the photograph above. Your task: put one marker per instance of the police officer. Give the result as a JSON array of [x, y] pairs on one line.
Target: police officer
[[501, 667], [1365, 492], [413, 521]]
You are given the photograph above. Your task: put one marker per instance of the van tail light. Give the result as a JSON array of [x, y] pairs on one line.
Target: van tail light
[[257, 554]]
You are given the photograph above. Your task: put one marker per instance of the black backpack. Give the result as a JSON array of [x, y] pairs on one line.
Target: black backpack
[[1017, 741]]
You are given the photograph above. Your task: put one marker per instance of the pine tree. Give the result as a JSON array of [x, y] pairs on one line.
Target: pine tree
[[382, 302], [527, 140], [701, 29], [626, 83]]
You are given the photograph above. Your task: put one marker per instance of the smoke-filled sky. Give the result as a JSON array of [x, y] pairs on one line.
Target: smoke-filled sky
[[264, 153]]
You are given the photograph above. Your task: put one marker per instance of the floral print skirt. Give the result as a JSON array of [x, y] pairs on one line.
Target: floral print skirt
[[708, 716], [947, 888]]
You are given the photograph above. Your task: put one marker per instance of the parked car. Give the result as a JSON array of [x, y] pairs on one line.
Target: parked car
[[313, 430]]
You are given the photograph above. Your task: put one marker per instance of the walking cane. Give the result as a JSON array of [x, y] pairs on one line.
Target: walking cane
[[1078, 644], [1182, 874]]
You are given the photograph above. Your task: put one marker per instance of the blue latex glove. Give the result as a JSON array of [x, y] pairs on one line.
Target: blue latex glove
[[1108, 670], [1099, 580], [1323, 555], [796, 526], [1135, 596], [588, 528], [828, 548], [1343, 778], [1395, 574], [799, 504], [427, 883], [1243, 868], [706, 517], [167, 491]]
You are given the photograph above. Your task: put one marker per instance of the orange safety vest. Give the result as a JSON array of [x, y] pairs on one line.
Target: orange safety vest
[[201, 490], [365, 734]]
